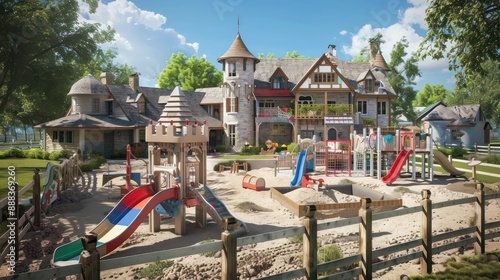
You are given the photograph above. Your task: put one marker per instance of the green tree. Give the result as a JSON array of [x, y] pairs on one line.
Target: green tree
[[189, 73], [402, 79], [43, 46], [431, 94], [268, 55], [293, 54], [482, 89], [103, 61], [362, 57], [467, 32]]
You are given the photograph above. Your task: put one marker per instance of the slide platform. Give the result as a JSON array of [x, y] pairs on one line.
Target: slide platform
[[118, 225], [216, 209], [393, 174], [301, 162], [446, 164]]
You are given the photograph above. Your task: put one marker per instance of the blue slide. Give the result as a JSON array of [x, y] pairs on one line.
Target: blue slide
[[297, 180]]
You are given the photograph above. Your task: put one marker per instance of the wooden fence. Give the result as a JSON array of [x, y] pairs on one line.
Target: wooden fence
[[69, 170], [486, 150], [422, 248]]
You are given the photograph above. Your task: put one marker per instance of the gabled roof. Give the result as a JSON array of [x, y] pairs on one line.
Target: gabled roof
[[278, 73], [238, 49], [293, 68], [318, 62], [428, 109]]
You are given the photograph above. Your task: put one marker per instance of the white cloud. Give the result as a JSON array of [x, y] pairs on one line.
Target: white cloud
[[343, 32], [393, 33], [140, 35]]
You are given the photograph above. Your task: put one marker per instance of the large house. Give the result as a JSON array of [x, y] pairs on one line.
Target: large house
[[463, 125], [282, 100]]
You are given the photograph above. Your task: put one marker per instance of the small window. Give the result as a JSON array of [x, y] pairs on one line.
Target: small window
[[61, 136], [279, 129], [232, 69], [141, 107], [232, 135], [362, 107], [382, 108], [305, 100], [369, 85], [55, 136], [69, 137], [324, 78], [456, 134], [109, 107], [306, 134], [95, 105], [279, 83]]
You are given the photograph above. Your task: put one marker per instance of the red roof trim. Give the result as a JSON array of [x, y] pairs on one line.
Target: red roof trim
[[267, 92]]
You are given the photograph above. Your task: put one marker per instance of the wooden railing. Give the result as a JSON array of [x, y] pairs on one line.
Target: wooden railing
[[425, 246], [69, 170]]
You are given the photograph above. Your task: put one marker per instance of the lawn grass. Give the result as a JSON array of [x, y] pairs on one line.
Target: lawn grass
[[24, 172]]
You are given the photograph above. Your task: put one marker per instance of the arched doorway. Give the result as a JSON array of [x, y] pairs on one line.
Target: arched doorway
[[332, 134]]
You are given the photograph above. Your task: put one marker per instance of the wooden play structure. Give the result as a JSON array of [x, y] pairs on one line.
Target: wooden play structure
[[254, 183]]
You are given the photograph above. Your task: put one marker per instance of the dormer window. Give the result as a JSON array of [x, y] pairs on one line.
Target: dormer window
[[141, 107], [278, 79], [231, 69], [279, 83], [369, 85]]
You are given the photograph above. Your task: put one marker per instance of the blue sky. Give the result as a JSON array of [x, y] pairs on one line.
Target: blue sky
[[149, 31]]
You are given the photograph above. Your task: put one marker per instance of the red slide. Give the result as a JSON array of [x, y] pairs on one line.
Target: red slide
[[396, 167]]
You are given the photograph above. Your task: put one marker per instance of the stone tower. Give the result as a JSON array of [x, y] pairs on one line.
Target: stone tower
[[238, 65]]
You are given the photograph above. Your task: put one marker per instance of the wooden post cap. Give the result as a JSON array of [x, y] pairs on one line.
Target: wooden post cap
[[229, 223], [426, 194], [366, 202], [310, 210], [479, 186]]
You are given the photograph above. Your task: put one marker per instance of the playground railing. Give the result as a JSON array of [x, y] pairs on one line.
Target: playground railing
[[421, 247], [30, 219]]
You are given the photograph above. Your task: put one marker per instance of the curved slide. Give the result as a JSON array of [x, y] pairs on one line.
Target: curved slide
[[396, 167], [301, 164], [118, 225], [216, 209], [446, 164]]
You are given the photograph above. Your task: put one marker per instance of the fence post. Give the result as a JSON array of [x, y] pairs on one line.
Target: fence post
[[311, 243], [475, 149], [229, 242], [90, 259], [365, 239], [36, 196], [426, 233], [479, 217]]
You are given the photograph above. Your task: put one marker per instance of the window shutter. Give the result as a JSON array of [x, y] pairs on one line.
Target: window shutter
[[228, 105], [236, 104]]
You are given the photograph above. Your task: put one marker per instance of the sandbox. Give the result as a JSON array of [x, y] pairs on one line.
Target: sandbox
[[347, 206]]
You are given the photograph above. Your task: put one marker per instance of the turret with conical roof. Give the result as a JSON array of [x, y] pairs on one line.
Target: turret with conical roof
[[238, 65]]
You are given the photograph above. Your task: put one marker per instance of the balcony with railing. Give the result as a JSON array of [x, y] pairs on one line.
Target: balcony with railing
[[273, 114], [306, 111]]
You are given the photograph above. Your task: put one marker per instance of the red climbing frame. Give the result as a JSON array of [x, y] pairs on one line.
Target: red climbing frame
[[338, 157]]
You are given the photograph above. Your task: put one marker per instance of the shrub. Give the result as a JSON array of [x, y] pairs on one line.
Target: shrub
[[155, 270], [220, 148], [250, 150], [327, 254], [55, 155], [493, 159], [46, 155], [291, 147], [14, 153]]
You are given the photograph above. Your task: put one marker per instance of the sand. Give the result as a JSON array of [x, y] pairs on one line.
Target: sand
[[75, 220]]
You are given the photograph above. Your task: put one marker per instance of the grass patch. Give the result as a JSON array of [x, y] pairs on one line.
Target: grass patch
[[346, 182], [296, 239], [24, 172], [251, 207], [474, 267], [154, 270]]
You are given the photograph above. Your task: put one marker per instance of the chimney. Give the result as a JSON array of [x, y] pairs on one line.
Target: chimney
[[332, 51], [106, 78], [133, 81]]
